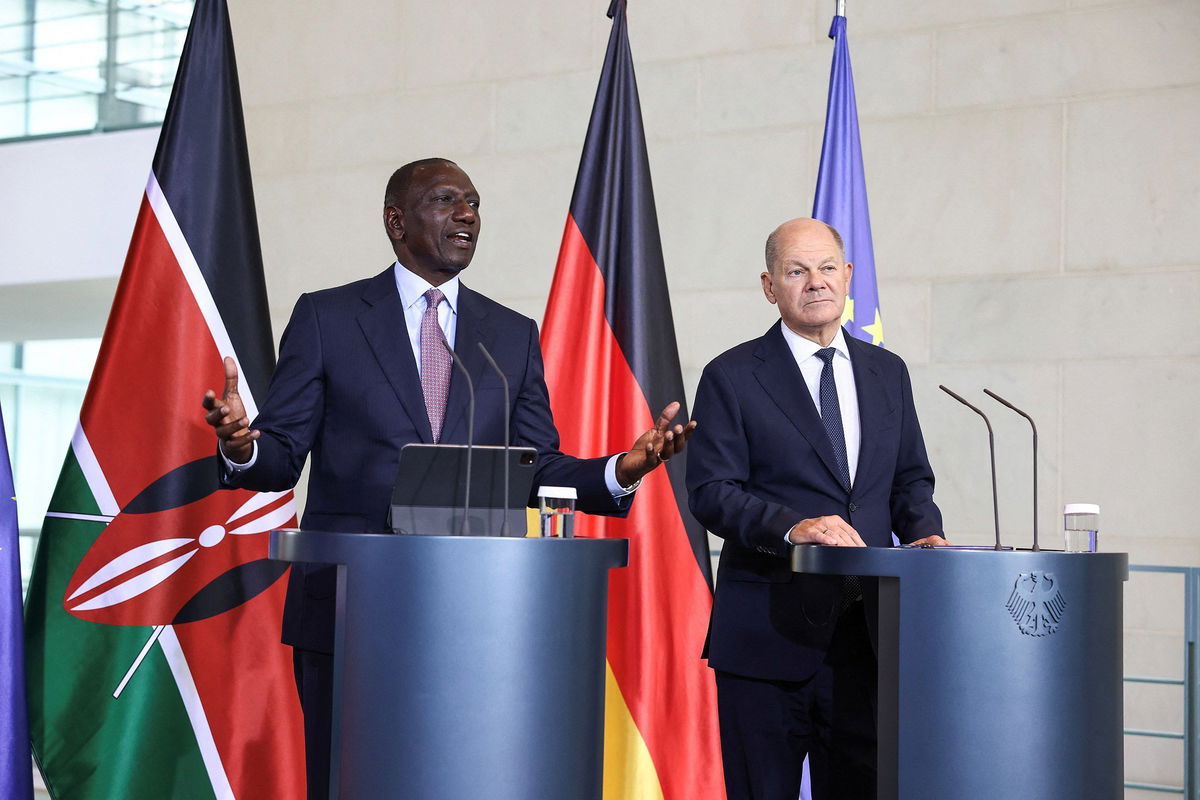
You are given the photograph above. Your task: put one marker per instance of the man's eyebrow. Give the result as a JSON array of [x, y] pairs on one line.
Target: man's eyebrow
[[446, 187], [792, 262]]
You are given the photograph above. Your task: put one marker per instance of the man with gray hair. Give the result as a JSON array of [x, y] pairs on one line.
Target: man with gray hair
[[806, 435]]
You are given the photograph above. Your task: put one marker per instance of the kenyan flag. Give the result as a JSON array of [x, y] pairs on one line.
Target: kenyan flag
[[153, 659]]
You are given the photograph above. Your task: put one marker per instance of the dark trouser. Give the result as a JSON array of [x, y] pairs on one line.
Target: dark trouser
[[314, 682], [768, 727]]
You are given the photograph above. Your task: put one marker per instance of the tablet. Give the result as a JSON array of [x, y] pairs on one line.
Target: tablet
[[430, 490]]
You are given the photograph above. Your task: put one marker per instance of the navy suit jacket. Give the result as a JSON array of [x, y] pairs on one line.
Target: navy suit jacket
[[761, 461], [346, 389]]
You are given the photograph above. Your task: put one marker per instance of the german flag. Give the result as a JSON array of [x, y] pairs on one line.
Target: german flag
[[612, 364]]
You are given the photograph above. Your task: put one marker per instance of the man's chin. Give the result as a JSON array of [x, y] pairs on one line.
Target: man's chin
[[452, 268]]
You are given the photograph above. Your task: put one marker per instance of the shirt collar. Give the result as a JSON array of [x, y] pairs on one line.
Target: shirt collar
[[806, 348], [413, 287]]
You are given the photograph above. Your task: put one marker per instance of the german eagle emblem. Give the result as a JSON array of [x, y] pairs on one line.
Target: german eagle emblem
[[1036, 603]]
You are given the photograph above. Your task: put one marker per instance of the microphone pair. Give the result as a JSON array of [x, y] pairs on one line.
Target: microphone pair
[[992, 450], [471, 431]]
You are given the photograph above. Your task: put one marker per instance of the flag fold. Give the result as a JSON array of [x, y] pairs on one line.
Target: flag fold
[[612, 365]]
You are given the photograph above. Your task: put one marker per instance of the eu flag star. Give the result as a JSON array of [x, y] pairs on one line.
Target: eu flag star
[[875, 329]]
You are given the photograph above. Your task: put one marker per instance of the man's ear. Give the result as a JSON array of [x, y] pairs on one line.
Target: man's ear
[[393, 223], [768, 287]]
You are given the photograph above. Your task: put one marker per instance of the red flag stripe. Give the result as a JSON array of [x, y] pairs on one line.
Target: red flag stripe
[[157, 357], [199, 291], [659, 604]]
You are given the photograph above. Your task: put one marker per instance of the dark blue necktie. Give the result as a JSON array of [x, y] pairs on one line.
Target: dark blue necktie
[[831, 415]]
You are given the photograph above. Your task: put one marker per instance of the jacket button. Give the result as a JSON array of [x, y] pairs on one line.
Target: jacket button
[[853, 508]]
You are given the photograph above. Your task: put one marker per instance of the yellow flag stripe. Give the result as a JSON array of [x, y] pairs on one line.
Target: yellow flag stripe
[[629, 772]]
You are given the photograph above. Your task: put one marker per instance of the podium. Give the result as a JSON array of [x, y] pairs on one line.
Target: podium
[[465, 667], [999, 671]]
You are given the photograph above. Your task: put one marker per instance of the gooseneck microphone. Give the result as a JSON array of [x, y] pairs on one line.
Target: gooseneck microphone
[[470, 432], [1000, 399], [992, 449], [504, 379]]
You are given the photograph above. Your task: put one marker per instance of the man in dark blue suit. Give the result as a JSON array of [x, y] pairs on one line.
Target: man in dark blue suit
[[363, 370], [806, 435]]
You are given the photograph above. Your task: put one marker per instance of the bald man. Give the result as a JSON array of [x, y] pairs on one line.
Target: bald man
[[806, 435]]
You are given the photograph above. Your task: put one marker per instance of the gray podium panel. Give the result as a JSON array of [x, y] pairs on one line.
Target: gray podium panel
[[999, 672], [465, 667]]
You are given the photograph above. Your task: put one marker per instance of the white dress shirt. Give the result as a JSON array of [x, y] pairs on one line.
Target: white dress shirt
[[412, 289], [811, 365]]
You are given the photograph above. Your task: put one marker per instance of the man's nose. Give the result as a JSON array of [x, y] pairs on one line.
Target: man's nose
[[465, 212]]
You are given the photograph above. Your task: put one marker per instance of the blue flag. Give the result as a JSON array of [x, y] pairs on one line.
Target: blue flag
[[16, 772], [841, 198]]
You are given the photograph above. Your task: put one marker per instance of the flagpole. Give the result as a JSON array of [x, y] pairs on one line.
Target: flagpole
[[840, 8]]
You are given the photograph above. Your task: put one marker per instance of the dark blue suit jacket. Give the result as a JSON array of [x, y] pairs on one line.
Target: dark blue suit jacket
[[761, 461], [347, 390]]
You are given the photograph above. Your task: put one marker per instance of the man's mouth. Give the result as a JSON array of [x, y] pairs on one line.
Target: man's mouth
[[462, 239]]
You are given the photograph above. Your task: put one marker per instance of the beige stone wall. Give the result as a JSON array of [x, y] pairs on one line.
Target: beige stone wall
[[1034, 179], [1033, 170]]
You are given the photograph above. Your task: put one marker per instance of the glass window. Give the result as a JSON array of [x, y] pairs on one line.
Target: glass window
[[41, 391], [70, 66]]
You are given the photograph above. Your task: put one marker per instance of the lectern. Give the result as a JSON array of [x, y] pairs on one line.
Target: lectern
[[999, 671], [465, 667]]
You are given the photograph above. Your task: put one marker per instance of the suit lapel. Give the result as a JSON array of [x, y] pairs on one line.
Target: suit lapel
[[383, 325], [470, 329], [780, 378], [872, 401]]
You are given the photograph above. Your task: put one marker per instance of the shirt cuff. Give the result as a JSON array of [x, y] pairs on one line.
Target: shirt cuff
[[233, 467], [610, 479]]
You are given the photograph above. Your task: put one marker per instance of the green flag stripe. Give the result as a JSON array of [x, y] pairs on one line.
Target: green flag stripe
[[195, 711], [88, 745], [97, 484]]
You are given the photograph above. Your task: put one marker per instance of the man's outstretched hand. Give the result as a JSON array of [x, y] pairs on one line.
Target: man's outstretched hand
[[228, 418], [656, 446]]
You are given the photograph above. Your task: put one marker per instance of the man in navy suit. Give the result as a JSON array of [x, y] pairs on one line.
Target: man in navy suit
[[806, 435], [348, 390]]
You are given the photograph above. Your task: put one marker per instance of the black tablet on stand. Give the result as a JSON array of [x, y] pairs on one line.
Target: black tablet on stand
[[430, 498]]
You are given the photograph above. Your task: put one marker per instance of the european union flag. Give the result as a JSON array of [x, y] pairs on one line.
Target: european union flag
[[16, 774], [841, 198]]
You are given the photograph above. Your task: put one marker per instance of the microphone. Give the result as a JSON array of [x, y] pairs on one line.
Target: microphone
[[1000, 399], [470, 431], [504, 379], [992, 449]]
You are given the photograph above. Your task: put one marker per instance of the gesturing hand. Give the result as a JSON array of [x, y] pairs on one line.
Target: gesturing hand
[[228, 418], [656, 446]]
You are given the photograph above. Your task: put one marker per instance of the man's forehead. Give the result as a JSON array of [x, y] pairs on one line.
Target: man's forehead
[[808, 251], [440, 175]]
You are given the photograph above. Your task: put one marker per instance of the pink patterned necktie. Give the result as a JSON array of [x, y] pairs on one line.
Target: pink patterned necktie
[[435, 363]]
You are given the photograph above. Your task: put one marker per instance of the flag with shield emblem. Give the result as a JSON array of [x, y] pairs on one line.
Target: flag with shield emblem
[[154, 663]]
